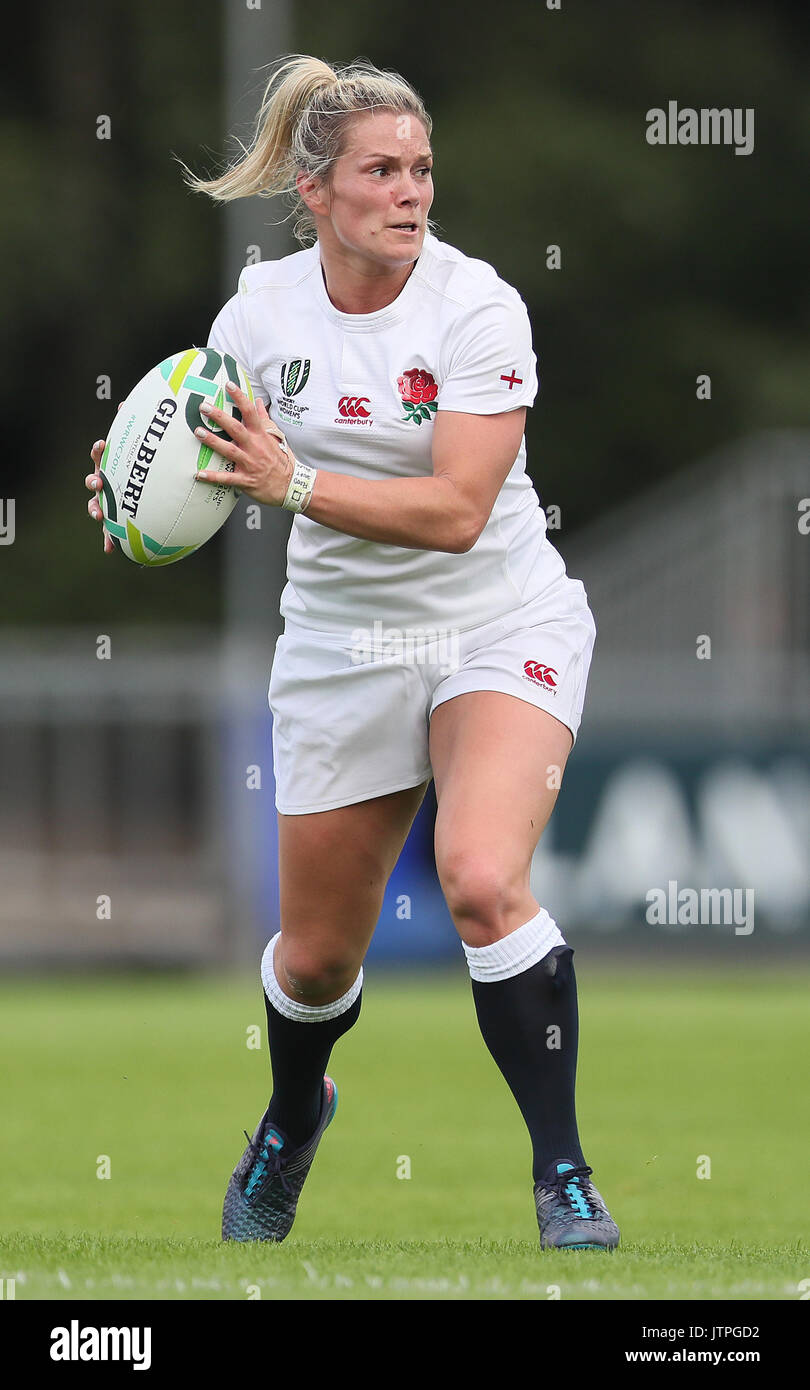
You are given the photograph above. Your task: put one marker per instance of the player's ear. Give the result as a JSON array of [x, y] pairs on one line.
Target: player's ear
[[313, 191]]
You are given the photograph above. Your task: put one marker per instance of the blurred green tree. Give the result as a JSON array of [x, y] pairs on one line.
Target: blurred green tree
[[675, 261]]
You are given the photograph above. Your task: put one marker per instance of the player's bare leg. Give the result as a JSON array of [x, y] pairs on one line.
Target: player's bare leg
[[333, 869], [334, 866], [497, 763]]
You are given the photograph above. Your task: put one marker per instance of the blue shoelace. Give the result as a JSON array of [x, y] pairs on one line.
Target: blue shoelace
[[267, 1158], [572, 1190]]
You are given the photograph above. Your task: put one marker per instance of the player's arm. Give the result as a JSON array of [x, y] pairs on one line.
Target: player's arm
[[447, 511], [472, 455]]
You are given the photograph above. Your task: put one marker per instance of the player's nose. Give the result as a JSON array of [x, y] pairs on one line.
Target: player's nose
[[409, 191]]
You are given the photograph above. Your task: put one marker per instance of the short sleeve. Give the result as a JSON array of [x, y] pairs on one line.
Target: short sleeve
[[230, 332], [491, 365]]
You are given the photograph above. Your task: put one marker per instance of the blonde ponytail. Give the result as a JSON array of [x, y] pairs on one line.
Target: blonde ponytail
[[301, 126]]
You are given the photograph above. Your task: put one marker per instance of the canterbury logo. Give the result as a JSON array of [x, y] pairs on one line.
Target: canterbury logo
[[536, 671], [354, 407], [294, 376]]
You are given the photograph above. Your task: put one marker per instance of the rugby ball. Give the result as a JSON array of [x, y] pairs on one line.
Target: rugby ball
[[153, 508]]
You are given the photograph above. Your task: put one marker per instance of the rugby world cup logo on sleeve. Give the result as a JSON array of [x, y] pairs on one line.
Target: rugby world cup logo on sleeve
[[418, 391]]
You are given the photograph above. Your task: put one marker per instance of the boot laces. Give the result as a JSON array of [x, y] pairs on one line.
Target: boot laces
[[267, 1162], [573, 1188]]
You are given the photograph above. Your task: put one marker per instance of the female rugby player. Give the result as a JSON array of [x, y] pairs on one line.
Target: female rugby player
[[392, 375]]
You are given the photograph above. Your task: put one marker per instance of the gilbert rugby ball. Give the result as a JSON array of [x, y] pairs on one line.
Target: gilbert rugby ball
[[153, 508]]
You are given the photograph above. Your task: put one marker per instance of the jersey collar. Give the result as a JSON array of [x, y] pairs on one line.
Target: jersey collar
[[381, 318]]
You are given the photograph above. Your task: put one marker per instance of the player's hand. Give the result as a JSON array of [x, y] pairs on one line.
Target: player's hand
[[93, 482], [263, 462]]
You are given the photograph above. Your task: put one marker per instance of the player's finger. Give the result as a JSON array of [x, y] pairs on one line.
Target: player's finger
[[225, 447], [97, 451], [224, 420], [276, 434], [246, 407], [210, 475], [94, 509], [262, 415], [269, 426]]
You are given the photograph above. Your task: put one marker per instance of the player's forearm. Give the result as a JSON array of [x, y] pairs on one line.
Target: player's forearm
[[416, 513]]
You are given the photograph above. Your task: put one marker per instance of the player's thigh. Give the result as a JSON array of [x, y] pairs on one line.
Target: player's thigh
[[333, 870], [497, 763]]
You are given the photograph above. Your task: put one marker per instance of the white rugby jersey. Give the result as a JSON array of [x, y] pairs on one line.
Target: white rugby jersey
[[358, 394]]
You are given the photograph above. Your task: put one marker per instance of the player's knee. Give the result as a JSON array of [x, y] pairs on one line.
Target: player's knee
[[317, 976], [480, 892]]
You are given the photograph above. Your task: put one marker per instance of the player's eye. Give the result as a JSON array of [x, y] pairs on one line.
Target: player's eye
[[425, 169]]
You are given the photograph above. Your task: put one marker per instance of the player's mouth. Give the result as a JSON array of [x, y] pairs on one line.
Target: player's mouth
[[407, 228]]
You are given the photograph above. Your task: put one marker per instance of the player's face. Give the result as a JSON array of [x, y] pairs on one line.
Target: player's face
[[382, 181]]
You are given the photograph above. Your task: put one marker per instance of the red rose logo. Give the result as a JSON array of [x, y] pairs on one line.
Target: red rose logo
[[418, 391]]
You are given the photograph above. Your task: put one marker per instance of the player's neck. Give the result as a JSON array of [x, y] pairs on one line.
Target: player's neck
[[361, 289]]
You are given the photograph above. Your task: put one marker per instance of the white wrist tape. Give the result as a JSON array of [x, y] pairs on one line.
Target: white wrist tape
[[300, 488]]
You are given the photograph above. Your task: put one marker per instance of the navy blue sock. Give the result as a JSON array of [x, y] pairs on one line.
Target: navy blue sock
[[299, 1054], [530, 1024]]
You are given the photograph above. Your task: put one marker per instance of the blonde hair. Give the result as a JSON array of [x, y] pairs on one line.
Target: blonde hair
[[303, 121]]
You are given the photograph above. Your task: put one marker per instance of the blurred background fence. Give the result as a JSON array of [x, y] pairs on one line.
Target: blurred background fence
[[122, 780]]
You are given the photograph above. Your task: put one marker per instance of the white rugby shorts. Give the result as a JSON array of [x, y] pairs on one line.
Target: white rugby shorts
[[351, 711]]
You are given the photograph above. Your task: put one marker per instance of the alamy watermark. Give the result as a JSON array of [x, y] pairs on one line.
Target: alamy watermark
[[77, 1343], [705, 907], [7, 531], [406, 646], [710, 125]]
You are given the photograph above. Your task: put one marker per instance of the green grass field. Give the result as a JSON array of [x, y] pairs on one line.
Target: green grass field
[[156, 1075]]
